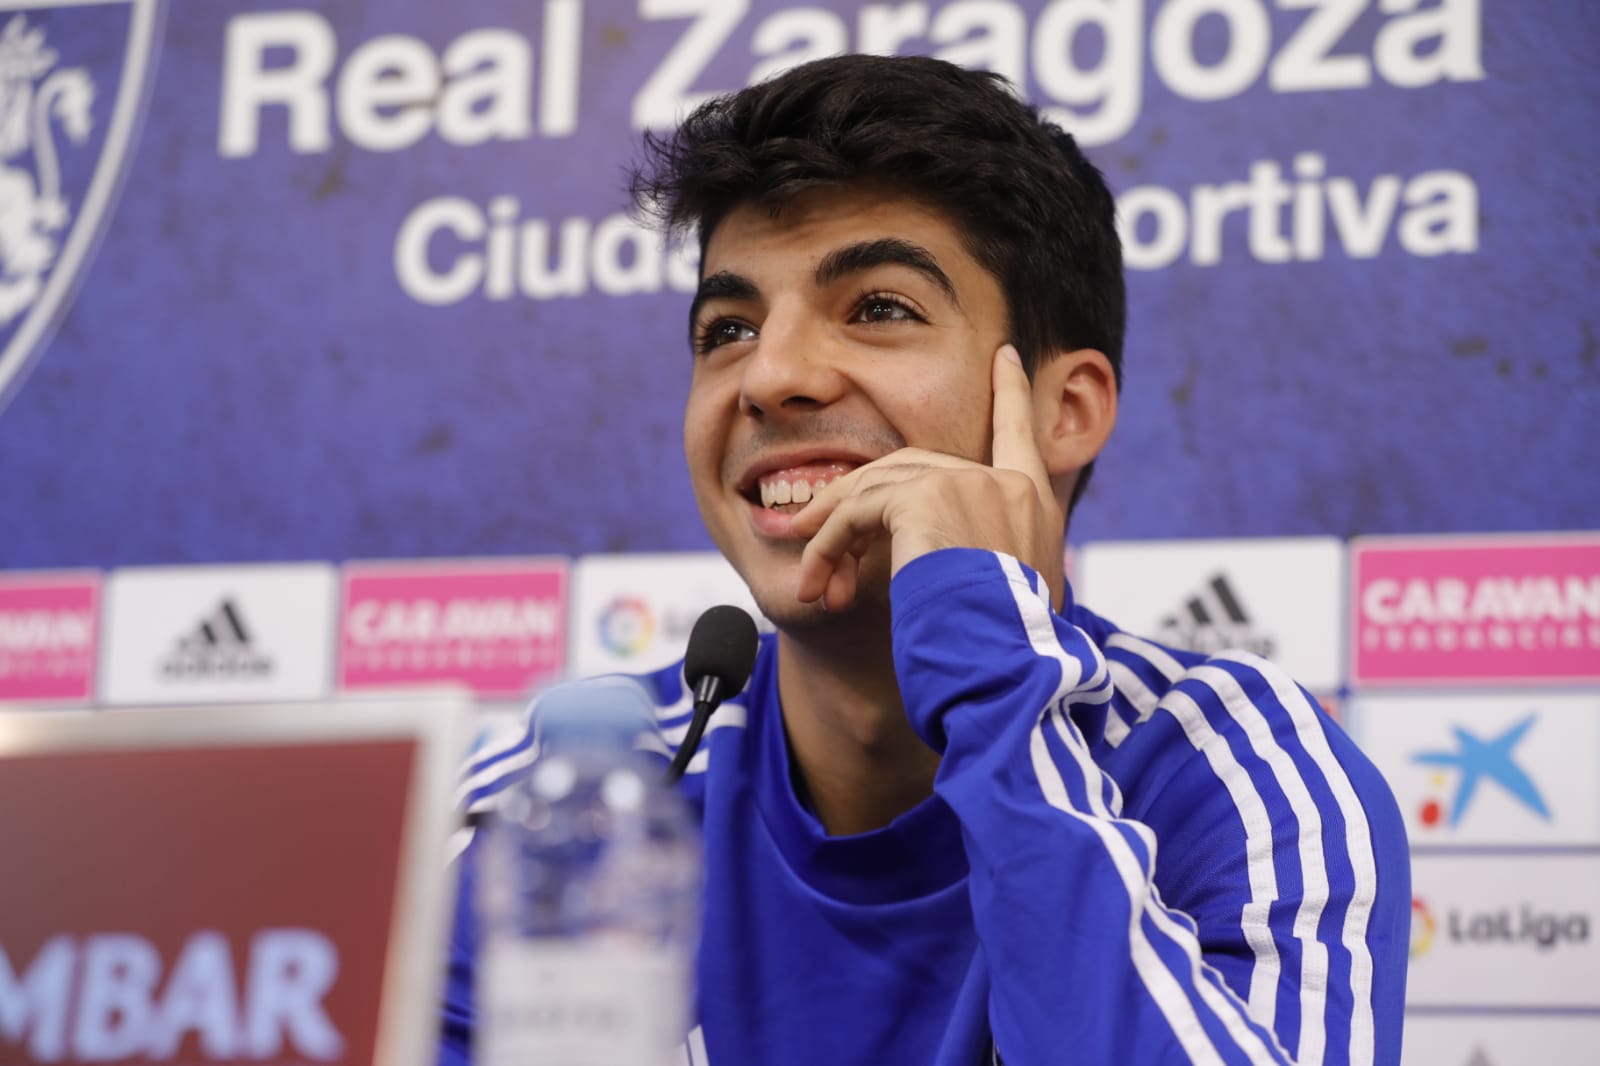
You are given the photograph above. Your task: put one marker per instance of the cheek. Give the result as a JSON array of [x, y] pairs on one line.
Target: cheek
[[706, 420], [947, 417]]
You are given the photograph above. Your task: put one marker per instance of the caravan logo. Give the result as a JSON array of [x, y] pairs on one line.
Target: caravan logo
[[1476, 609], [48, 629], [1476, 761], [219, 646], [1214, 619], [499, 627], [65, 136]]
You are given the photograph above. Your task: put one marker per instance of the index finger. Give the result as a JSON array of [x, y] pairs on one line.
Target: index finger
[[1013, 446]]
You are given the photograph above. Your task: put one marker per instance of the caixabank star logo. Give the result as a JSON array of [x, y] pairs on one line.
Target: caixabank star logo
[[70, 105], [1471, 760]]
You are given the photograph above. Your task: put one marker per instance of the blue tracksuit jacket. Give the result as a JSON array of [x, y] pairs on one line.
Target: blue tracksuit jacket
[[1132, 855]]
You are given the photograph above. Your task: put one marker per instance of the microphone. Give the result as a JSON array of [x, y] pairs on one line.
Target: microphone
[[716, 665]]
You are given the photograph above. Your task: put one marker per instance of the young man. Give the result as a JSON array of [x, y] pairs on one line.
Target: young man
[[956, 818]]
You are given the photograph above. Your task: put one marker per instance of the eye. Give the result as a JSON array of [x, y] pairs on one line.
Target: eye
[[720, 331], [881, 307]]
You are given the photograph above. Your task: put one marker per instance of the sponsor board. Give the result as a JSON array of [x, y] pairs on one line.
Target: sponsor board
[[49, 623], [1429, 610], [172, 916], [496, 626], [1502, 931], [1468, 1040], [202, 634], [1505, 770], [1279, 599], [633, 613]]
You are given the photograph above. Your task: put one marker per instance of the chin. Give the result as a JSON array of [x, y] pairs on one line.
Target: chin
[[789, 615]]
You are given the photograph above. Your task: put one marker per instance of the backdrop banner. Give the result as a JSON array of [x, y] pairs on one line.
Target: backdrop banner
[[366, 285], [334, 360]]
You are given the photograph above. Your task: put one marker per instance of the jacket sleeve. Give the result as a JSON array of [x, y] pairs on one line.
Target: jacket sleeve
[[1248, 903], [457, 1010]]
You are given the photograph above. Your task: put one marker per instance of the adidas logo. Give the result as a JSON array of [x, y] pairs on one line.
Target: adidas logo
[[1214, 619], [220, 646]]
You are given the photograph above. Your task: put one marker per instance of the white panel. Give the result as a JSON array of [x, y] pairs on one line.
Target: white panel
[[218, 634], [1505, 931], [1455, 1040], [1282, 599], [633, 613], [1509, 769]]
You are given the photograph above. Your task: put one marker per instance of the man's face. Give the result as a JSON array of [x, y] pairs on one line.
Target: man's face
[[851, 325]]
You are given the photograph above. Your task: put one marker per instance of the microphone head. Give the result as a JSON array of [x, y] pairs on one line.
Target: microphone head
[[723, 645]]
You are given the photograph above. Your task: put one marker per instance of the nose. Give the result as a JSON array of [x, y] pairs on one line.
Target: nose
[[791, 371]]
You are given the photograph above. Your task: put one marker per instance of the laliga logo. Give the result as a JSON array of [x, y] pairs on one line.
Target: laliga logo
[[103, 998], [1526, 926], [1422, 928], [626, 626]]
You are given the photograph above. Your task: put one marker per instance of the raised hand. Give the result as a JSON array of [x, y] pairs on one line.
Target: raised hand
[[924, 501]]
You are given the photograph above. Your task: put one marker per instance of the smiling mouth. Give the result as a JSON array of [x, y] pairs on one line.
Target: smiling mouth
[[790, 489]]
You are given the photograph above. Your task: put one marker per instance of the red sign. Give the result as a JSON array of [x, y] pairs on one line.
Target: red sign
[[199, 905], [48, 628], [1476, 609], [499, 628]]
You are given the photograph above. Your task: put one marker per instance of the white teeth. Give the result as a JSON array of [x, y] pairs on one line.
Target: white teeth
[[776, 492]]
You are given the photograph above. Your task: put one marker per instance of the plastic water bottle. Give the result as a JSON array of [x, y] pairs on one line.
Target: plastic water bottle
[[589, 896]]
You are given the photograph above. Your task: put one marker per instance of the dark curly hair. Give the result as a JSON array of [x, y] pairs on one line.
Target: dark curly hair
[[1030, 208]]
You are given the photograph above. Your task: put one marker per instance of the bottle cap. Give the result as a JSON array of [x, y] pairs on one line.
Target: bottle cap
[[603, 711]]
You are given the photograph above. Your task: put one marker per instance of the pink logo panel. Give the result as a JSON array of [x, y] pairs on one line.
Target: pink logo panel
[[49, 625], [500, 628], [1475, 609]]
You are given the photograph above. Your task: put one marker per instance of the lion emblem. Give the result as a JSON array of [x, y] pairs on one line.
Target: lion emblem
[[33, 212]]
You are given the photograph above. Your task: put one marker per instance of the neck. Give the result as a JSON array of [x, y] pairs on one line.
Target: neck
[[860, 761]]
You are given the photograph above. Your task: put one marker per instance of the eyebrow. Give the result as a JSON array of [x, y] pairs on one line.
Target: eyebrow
[[723, 285], [884, 251]]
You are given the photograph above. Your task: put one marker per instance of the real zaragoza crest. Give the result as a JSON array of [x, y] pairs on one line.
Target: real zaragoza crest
[[67, 121]]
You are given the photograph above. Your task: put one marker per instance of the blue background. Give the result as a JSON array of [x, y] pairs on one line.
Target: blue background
[[240, 376]]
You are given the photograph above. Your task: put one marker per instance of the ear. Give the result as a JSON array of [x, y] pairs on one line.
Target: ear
[[1074, 408]]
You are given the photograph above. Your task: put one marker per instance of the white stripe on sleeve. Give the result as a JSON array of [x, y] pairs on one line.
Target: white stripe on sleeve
[[1169, 996], [1358, 835]]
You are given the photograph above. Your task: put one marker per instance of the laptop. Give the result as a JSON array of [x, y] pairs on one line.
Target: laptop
[[226, 885]]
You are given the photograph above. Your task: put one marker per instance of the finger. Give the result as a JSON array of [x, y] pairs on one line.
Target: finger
[[854, 523], [841, 590], [902, 465], [1014, 446]]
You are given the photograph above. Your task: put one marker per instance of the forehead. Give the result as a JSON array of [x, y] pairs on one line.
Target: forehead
[[754, 242]]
